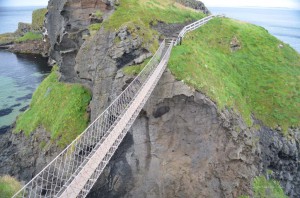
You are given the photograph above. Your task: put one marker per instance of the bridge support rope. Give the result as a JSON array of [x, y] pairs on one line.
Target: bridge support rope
[[75, 170]]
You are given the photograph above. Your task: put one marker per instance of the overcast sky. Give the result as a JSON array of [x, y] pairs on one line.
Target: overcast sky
[[212, 3], [24, 2], [259, 3]]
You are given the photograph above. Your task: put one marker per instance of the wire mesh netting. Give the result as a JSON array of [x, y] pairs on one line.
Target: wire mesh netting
[[73, 172]]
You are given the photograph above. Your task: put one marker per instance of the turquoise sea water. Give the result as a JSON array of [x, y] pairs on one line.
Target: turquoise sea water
[[19, 74], [19, 77], [280, 22]]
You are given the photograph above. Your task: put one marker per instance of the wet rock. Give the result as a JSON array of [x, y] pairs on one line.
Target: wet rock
[[4, 129], [24, 108], [15, 105], [4, 112], [27, 97]]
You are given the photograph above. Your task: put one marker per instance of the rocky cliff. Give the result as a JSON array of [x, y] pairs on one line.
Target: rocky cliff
[[181, 145]]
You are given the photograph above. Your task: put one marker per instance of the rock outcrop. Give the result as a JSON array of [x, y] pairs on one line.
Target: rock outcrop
[[180, 146], [281, 156], [67, 24], [24, 156], [195, 4], [31, 47]]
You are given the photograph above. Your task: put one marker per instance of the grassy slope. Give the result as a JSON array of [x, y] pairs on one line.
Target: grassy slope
[[260, 78], [38, 17], [59, 107], [8, 186], [138, 15], [30, 36], [264, 188]]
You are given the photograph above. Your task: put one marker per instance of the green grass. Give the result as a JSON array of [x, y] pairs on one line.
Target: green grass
[[38, 17], [135, 69], [60, 108], [138, 15], [7, 38], [151, 11], [95, 27], [264, 188], [8, 186], [98, 14], [260, 79], [30, 36]]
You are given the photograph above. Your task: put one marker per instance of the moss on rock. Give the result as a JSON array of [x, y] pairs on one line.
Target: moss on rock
[[38, 17], [8, 186], [59, 107]]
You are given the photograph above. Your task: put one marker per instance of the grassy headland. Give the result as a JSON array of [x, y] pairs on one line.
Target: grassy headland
[[139, 15], [60, 108], [38, 17], [34, 30], [260, 79], [30, 36]]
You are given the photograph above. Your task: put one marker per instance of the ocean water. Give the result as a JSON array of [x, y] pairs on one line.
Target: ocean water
[[19, 77], [19, 74], [280, 22], [11, 16]]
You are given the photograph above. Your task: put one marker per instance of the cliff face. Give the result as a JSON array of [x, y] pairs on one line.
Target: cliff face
[[181, 145], [67, 26]]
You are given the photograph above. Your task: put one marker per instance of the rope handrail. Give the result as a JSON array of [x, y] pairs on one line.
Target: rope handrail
[[75, 170], [61, 168], [194, 26]]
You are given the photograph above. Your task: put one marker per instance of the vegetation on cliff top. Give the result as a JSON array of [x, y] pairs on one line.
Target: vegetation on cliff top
[[59, 107], [38, 17], [30, 36], [35, 29], [8, 186], [264, 188], [139, 15], [260, 79]]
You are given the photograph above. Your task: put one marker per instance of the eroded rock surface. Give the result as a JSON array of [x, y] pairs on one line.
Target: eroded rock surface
[[22, 156], [281, 156]]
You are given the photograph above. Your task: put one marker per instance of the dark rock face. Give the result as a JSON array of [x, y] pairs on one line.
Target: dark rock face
[[179, 147], [67, 22], [169, 30], [281, 156], [23, 156], [195, 4]]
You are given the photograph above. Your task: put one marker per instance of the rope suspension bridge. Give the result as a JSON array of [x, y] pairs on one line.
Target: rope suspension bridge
[[76, 169]]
